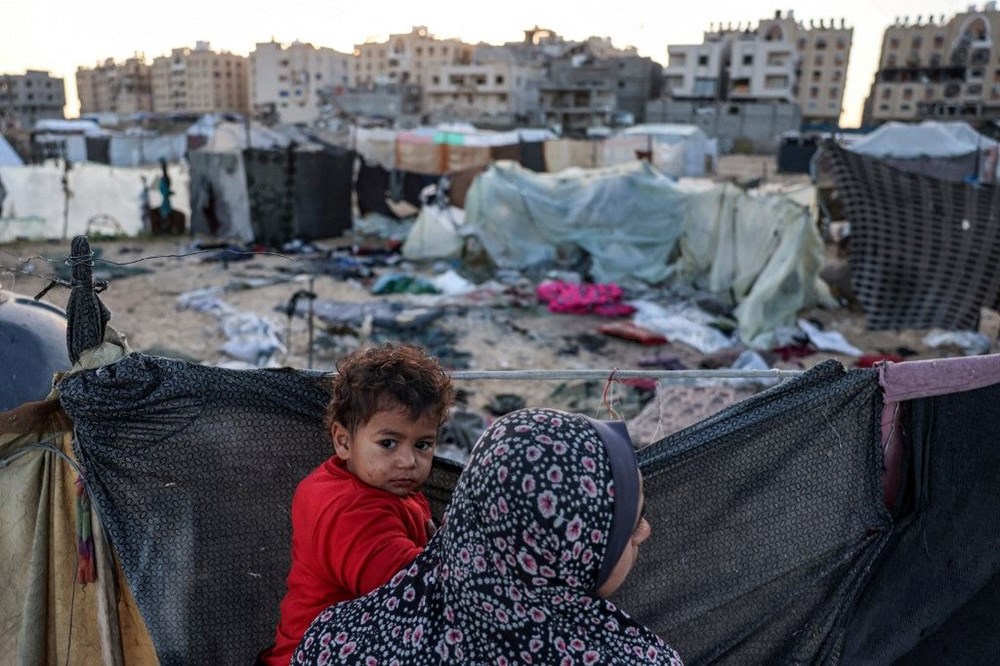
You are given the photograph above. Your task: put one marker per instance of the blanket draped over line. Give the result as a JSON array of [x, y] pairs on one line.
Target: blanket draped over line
[[775, 544]]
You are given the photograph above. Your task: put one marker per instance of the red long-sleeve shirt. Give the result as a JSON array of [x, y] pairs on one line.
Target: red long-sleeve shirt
[[347, 539]]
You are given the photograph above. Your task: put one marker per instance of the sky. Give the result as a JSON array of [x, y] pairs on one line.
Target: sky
[[60, 36]]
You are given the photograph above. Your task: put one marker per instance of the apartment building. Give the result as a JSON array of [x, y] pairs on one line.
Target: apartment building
[[779, 60], [30, 97], [116, 87], [499, 92], [287, 82], [200, 80], [634, 80], [937, 68], [407, 58]]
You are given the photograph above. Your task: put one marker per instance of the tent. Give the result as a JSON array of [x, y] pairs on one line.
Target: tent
[[948, 150], [698, 148], [761, 250]]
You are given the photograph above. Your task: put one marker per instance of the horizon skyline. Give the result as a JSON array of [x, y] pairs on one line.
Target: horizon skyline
[[232, 30]]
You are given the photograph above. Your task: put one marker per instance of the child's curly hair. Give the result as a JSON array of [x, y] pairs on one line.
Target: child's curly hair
[[388, 376]]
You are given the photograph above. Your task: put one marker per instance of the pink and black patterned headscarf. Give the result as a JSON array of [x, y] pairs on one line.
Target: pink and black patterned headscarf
[[510, 575]]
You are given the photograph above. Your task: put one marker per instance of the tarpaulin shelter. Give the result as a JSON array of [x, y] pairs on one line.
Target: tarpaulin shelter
[[842, 517], [638, 225], [924, 252], [299, 193], [697, 147], [94, 198]]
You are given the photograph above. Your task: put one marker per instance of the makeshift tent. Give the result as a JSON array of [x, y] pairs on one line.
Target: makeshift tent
[[945, 150], [779, 547], [303, 194], [761, 250], [698, 148], [95, 199], [924, 252], [220, 204]]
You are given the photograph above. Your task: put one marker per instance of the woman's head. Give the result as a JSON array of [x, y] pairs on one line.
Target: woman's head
[[552, 499]]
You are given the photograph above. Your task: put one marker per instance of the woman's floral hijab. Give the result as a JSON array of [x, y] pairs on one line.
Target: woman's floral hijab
[[509, 576]]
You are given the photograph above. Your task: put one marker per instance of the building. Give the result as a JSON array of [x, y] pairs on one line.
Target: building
[[391, 104], [200, 80], [780, 60], [633, 80], [932, 68], [499, 93], [116, 88], [407, 58], [30, 97], [285, 81]]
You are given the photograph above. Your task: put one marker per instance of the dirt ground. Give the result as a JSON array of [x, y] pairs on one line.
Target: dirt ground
[[145, 307]]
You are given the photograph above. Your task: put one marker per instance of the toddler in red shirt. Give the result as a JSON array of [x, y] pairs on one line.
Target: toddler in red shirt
[[360, 517]]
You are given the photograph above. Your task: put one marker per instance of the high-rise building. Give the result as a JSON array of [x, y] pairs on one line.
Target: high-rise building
[[287, 83], [779, 60], [933, 68], [200, 80], [116, 87], [29, 97]]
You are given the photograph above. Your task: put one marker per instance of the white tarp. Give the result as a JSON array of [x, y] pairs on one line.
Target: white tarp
[[929, 138], [108, 199], [696, 144], [626, 217], [763, 251], [435, 234], [128, 151], [8, 156]]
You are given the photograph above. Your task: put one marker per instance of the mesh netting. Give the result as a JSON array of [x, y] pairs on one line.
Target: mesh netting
[[765, 514], [923, 252]]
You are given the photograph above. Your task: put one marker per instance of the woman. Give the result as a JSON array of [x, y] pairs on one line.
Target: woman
[[544, 524]]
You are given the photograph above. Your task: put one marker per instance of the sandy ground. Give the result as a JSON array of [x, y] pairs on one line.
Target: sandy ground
[[145, 308]]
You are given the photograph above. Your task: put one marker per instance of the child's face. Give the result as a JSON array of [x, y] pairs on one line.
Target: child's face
[[391, 451]]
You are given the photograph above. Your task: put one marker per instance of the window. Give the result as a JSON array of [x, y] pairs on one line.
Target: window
[[801, 44], [498, 79], [813, 92], [841, 43], [834, 91], [820, 44], [836, 75], [907, 93], [938, 41], [703, 60], [818, 61], [816, 75], [748, 59], [916, 43], [894, 43], [886, 92]]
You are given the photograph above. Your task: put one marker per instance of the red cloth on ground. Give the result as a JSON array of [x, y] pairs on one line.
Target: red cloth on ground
[[601, 299], [348, 538]]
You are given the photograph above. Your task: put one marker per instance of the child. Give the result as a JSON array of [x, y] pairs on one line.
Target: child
[[360, 517]]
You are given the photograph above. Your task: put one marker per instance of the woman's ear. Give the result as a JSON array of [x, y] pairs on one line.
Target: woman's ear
[[341, 437]]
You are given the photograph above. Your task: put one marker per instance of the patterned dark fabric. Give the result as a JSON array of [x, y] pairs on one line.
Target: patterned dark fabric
[[86, 315], [509, 576], [765, 519], [935, 594], [192, 469], [922, 250]]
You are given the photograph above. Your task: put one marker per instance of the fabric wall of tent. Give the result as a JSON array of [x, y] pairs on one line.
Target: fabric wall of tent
[[304, 194], [952, 151], [102, 199], [220, 203], [924, 252], [763, 251], [802, 528], [699, 150]]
